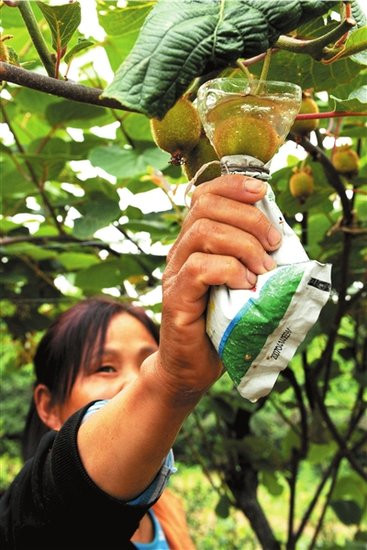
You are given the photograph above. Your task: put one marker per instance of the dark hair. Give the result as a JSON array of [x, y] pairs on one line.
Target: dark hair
[[66, 347]]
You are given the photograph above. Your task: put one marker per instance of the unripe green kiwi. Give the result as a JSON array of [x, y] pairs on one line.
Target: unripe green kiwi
[[345, 160], [179, 130], [200, 155], [303, 127], [301, 183], [246, 135]]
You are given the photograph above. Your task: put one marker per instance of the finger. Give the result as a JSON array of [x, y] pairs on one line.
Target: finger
[[244, 216], [233, 186], [211, 237], [202, 271]]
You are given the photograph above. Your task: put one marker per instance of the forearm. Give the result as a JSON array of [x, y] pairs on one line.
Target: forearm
[[123, 446]]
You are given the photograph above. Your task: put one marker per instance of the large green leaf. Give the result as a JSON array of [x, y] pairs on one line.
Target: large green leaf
[[356, 101], [181, 39], [357, 40], [96, 215], [125, 163], [73, 113], [347, 511], [113, 272], [123, 21], [63, 22], [351, 96], [308, 73]]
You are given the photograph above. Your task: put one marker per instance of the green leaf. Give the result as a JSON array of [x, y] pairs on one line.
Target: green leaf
[[162, 64], [67, 112], [63, 22], [6, 226], [14, 184], [347, 511], [357, 40], [270, 481], [223, 506], [124, 21], [126, 163], [33, 101], [49, 163], [137, 127], [31, 250], [306, 72], [350, 486], [356, 100], [113, 272], [96, 215], [358, 13], [81, 45], [77, 260]]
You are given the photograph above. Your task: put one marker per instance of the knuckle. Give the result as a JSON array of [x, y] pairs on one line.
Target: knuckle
[[194, 264], [203, 227], [204, 202]]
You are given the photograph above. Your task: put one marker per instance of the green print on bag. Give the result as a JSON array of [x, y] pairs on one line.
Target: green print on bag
[[248, 331]]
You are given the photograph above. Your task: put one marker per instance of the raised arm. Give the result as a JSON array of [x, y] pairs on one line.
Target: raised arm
[[224, 240]]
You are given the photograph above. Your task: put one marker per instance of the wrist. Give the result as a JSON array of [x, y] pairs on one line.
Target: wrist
[[167, 388]]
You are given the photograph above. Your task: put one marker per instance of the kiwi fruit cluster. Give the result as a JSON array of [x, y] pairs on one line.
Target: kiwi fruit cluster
[[179, 131], [345, 160], [301, 183]]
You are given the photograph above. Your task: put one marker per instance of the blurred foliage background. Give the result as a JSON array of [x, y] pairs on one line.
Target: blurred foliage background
[[90, 205]]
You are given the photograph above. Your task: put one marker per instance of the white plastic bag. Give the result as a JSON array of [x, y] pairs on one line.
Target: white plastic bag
[[256, 332]]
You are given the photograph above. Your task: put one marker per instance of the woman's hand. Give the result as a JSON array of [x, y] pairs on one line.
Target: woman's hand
[[225, 240]]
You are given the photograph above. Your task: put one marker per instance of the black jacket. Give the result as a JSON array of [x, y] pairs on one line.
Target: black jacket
[[53, 504]]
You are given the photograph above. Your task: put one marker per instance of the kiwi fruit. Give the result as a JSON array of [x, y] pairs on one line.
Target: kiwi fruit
[[301, 183], [246, 135], [200, 155], [304, 127], [178, 132], [345, 160]]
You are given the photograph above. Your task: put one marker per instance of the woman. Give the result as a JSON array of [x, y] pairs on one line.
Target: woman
[[97, 473], [91, 352]]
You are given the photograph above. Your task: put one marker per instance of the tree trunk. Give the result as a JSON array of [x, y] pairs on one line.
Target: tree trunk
[[244, 491]]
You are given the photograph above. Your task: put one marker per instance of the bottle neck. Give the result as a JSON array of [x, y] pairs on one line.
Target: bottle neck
[[246, 165]]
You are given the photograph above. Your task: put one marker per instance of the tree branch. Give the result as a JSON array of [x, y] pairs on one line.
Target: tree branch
[[325, 506], [328, 114], [315, 47], [60, 88], [36, 36]]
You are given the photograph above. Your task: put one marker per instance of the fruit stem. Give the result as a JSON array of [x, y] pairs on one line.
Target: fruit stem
[[244, 69], [264, 70], [330, 114]]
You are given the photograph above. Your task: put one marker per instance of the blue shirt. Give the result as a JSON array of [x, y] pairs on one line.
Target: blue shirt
[[159, 541]]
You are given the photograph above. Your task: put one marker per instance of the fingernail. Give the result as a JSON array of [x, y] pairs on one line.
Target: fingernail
[[269, 263], [273, 236], [251, 277], [254, 186]]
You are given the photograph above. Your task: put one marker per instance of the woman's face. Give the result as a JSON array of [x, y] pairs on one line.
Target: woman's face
[[127, 344]]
